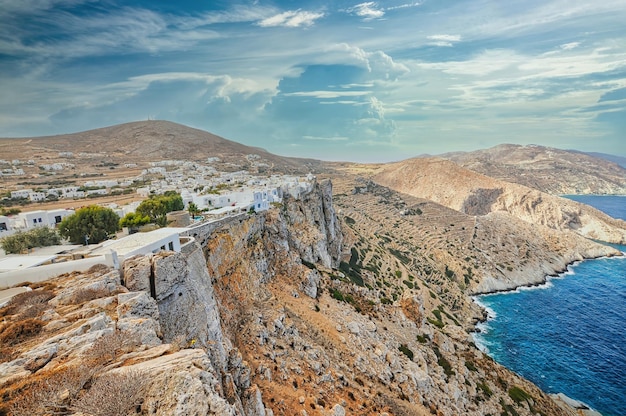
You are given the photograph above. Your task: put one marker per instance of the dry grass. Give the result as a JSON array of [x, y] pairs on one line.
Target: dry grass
[[50, 392], [28, 304], [17, 332], [85, 295], [112, 395], [110, 346]]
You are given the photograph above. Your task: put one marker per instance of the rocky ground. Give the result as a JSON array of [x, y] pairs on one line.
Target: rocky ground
[[358, 306]]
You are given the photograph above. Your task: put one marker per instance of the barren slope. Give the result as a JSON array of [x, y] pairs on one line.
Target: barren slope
[[146, 141], [550, 170], [469, 192]]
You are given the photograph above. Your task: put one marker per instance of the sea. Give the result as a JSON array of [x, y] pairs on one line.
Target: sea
[[568, 335]]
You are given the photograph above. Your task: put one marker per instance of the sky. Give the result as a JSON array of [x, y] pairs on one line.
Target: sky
[[327, 79]]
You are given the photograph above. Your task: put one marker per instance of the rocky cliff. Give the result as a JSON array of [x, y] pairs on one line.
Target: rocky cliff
[[299, 310]]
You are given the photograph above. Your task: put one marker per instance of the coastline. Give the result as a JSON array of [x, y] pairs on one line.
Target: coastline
[[567, 403], [545, 279]]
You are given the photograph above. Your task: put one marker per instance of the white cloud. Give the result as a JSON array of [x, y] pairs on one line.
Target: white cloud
[[571, 45], [368, 10], [378, 62], [327, 94], [404, 6], [483, 64], [444, 40], [291, 18]]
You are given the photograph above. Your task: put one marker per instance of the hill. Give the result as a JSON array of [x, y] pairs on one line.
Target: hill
[[611, 158], [149, 141], [555, 171], [472, 193]]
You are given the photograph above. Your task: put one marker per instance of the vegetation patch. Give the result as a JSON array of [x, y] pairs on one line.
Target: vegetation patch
[[17, 332], [22, 241], [485, 388], [518, 395], [404, 259], [406, 351], [422, 339], [443, 362]]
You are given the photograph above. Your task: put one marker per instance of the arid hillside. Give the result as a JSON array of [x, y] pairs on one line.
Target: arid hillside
[[554, 171], [147, 141], [466, 191]]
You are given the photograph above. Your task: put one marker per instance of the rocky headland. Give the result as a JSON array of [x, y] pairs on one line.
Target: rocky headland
[[346, 301]]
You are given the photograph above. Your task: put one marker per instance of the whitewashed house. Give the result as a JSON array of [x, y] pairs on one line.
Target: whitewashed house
[[21, 193], [32, 219], [55, 216], [37, 196], [6, 228]]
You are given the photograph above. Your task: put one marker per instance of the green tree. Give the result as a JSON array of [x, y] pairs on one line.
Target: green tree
[[157, 207], [193, 209], [134, 220], [22, 241], [93, 223]]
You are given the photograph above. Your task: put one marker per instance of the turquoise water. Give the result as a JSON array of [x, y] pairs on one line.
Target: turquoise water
[[568, 335]]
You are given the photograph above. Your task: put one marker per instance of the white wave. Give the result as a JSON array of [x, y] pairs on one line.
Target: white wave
[[480, 343], [491, 314]]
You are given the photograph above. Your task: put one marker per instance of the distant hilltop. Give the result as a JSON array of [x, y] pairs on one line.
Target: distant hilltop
[[146, 141], [555, 171]]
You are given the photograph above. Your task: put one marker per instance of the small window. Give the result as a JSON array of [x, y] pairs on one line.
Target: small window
[[171, 246], [57, 219], [34, 220], [39, 219], [3, 226]]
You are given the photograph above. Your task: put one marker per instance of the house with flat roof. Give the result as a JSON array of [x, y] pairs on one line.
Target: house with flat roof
[[143, 243]]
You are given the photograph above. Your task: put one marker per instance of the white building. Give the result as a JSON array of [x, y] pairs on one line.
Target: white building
[[22, 193], [143, 243], [55, 216], [6, 227], [41, 218], [32, 219], [37, 196]]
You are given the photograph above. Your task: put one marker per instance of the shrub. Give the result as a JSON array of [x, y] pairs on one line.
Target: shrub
[[485, 388], [518, 395], [22, 241], [17, 332], [406, 351], [470, 366], [50, 394], [112, 394], [422, 339], [28, 304], [109, 346], [443, 362], [336, 294]]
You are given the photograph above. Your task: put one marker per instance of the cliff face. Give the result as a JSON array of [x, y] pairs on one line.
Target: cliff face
[[281, 313]]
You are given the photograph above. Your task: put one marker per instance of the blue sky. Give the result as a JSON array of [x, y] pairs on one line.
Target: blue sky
[[336, 80]]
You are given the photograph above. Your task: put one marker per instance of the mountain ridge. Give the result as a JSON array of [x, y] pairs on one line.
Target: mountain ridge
[[551, 170]]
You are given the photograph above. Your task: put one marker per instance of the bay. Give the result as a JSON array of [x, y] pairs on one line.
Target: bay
[[567, 335]]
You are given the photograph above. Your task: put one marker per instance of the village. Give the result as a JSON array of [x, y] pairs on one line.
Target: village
[[209, 197]]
